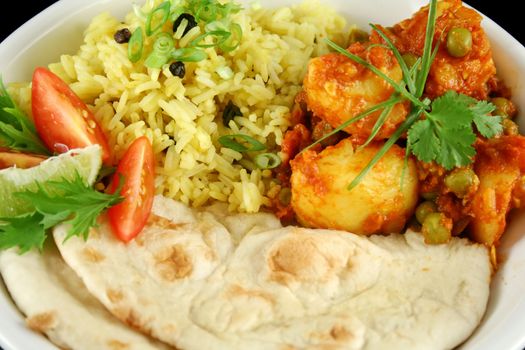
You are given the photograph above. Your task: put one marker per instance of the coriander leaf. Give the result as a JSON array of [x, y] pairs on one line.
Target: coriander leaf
[[446, 135], [423, 140], [26, 232], [456, 148], [452, 111], [487, 125], [16, 129], [482, 107]]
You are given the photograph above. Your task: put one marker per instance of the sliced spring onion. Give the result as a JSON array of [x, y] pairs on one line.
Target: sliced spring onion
[[233, 40], [219, 37], [193, 5], [229, 8], [135, 45], [222, 24], [163, 44], [267, 160], [208, 13], [176, 6], [211, 10], [157, 18], [188, 54], [175, 13], [154, 60], [228, 141], [162, 50]]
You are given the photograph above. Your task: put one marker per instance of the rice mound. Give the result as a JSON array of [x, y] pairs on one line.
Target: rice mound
[[183, 117]]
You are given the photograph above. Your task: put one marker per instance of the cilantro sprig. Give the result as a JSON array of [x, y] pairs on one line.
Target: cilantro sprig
[[70, 202], [17, 131], [442, 130], [446, 134]]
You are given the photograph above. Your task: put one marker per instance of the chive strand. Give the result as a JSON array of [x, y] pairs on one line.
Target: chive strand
[[405, 166], [358, 117], [404, 68], [427, 50], [386, 147], [378, 124], [399, 88]]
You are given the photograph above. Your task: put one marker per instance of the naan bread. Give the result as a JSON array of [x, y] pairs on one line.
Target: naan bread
[[150, 282], [57, 304], [313, 289], [186, 282]]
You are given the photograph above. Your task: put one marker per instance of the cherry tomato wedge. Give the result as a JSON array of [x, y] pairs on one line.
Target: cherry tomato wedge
[[62, 120], [137, 170], [20, 160]]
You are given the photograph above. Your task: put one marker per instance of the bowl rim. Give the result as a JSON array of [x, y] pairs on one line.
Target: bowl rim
[[17, 336]]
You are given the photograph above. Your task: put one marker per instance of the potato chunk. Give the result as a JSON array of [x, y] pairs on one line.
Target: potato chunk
[[337, 89], [499, 165], [379, 204]]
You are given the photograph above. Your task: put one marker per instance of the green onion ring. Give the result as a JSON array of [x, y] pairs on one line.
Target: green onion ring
[[228, 141], [267, 160], [234, 40], [220, 36], [188, 54], [135, 45], [162, 49], [161, 10], [207, 13]]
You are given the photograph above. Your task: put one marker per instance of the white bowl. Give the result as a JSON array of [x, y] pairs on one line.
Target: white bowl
[[58, 30]]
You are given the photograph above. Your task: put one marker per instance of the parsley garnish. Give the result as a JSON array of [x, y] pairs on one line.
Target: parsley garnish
[[17, 131], [441, 130], [69, 202]]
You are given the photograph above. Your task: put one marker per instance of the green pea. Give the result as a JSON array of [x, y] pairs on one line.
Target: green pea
[[429, 196], [285, 196], [460, 181], [410, 59], [357, 36], [504, 107], [424, 209], [437, 228], [459, 42], [509, 127]]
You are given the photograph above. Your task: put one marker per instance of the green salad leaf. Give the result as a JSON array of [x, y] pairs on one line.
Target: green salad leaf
[[17, 131]]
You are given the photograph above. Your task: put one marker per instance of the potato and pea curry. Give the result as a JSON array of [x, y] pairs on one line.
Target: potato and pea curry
[[419, 125]]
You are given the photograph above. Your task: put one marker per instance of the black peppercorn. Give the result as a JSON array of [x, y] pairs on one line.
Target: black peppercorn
[[178, 69], [192, 23], [122, 36]]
